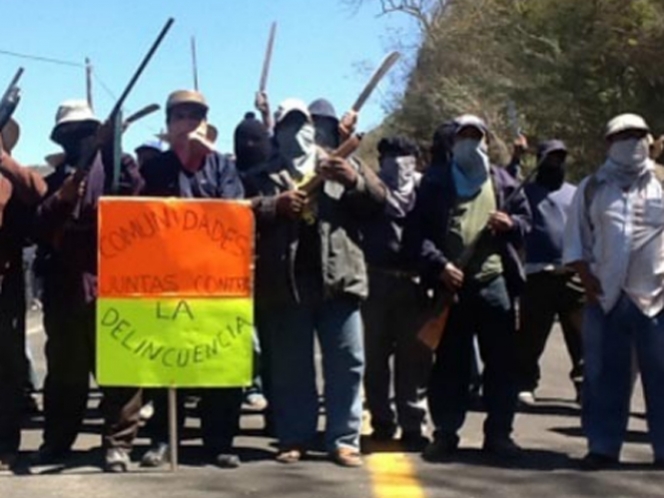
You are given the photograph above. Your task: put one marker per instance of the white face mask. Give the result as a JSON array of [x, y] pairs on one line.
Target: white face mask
[[631, 153], [471, 156], [398, 172], [298, 146]]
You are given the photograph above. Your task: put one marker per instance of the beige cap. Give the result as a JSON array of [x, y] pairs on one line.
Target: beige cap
[[180, 97], [10, 134], [626, 122], [72, 111]]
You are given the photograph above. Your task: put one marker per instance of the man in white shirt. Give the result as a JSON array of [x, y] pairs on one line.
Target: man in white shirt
[[614, 239]]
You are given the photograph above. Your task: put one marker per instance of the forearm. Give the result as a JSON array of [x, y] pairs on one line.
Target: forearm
[[29, 186]]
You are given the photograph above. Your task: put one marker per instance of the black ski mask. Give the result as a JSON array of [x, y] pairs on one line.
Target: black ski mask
[[252, 143], [551, 174]]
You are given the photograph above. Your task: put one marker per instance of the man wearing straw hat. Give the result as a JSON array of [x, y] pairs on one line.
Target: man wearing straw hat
[[67, 231], [192, 168]]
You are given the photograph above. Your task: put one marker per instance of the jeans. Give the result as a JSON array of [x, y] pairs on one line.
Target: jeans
[[485, 310], [546, 296], [338, 325], [392, 316], [609, 341]]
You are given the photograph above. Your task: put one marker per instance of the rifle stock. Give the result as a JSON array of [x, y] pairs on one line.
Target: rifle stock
[[431, 333]]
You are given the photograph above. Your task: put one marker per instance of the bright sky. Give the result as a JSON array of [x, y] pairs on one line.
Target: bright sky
[[323, 48]]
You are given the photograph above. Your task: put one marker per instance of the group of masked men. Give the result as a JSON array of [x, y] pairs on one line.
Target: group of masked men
[[356, 263]]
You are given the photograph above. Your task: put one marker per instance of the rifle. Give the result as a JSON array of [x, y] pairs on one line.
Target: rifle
[[10, 99], [96, 142], [431, 333]]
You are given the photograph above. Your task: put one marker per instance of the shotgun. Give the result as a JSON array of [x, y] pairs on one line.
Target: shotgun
[[96, 142], [431, 333], [10, 99]]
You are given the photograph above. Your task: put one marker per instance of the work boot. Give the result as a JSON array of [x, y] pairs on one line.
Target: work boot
[[7, 461], [48, 455], [502, 447], [441, 448], [227, 461], [383, 433], [596, 461], [116, 460], [413, 441], [156, 456]]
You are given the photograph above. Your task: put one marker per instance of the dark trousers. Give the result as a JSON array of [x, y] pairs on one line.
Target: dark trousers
[[220, 410], [546, 296], [485, 310], [13, 371], [70, 359], [262, 318], [392, 316]]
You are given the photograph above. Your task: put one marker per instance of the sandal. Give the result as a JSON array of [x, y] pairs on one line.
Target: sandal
[[347, 457], [289, 455]]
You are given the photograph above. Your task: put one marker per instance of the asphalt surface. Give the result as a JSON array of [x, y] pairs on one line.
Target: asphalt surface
[[549, 433]]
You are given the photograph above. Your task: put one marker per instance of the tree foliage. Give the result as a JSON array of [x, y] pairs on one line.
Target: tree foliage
[[566, 66]]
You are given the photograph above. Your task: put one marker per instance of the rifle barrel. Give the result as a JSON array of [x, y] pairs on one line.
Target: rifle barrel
[[141, 68]]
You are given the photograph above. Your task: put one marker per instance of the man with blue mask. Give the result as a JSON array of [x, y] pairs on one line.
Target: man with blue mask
[[463, 198], [615, 239], [310, 279]]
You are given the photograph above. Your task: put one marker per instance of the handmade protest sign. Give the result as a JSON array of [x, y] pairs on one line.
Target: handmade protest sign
[[175, 306]]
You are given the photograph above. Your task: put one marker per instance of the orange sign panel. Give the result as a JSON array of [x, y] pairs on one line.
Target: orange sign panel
[[175, 247]]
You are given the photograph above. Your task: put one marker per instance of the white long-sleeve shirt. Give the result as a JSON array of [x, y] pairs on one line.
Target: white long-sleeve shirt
[[620, 236]]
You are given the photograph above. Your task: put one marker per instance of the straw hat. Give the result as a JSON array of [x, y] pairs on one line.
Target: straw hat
[[10, 135]]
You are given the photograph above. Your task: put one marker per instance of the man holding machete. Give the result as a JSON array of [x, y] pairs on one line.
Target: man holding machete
[[464, 197], [310, 279]]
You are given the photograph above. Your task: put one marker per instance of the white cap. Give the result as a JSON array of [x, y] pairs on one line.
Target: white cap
[[72, 111], [472, 121], [291, 105], [626, 122]]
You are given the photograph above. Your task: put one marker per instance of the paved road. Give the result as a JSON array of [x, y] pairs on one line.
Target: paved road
[[549, 432]]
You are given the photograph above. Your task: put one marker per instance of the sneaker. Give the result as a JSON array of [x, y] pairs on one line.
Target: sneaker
[[596, 461], [227, 461], [289, 455], [347, 457], [256, 401], [156, 456], [116, 460], [527, 398], [146, 412], [441, 448], [502, 447], [413, 441], [7, 462]]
